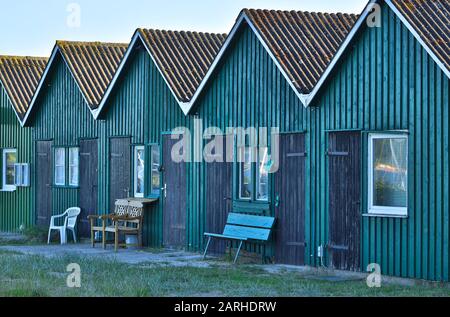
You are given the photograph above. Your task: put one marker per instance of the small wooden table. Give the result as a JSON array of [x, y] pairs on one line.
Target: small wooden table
[[144, 201]]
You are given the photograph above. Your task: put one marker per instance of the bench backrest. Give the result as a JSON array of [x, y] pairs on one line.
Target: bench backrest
[[135, 210], [249, 227], [132, 209], [121, 207]]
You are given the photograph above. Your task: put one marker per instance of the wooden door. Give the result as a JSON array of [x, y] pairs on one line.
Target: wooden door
[[174, 197], [219, 195], [344, 162], [88, 184], [119, 170], [290, 200], [43, 182]]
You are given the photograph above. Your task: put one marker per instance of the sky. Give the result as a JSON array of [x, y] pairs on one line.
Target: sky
[[31, 27]]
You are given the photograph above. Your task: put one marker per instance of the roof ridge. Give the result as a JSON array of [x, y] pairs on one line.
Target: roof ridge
[[20, 57], [179, 31], [298, 11], [89, 43]]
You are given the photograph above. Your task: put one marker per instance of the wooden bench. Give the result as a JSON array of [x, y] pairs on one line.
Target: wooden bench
[[127, 219], [244, 228]]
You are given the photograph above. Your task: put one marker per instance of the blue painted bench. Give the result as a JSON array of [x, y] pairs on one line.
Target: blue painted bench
[[244, 228]]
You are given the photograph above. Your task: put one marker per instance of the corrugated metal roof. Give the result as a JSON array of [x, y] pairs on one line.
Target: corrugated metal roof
[[183, 57], [303, 42], [93, 65], [20, 77], [431, 20]]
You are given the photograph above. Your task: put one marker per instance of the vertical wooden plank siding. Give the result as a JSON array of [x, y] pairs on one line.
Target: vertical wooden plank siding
[[141, 97], [386, 81], [400, 88], [142, 107], [16, 208], [247, 90], [62, 115]]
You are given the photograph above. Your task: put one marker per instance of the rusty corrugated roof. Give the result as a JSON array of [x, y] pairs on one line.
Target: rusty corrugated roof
[[303, 42], [431, 20], [183, 57], [93, 64], [20, 77]]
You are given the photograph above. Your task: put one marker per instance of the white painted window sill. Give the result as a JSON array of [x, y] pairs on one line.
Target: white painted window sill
[[373, 215], [8, 190]]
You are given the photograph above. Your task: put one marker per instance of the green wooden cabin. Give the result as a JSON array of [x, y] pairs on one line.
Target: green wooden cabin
[[390, 85], [65, 136], [19, 77], [363, 142], [141, 109], [258, 80]]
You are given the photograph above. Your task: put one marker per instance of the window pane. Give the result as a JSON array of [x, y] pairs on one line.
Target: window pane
[[390, 172], [9, 175], [10, 160], [73, 156], [60, 166], [245, 174], [73, 175], [73, 166], [263, 174], [60, 156], [59, 175], [139, 171], [155, 170]]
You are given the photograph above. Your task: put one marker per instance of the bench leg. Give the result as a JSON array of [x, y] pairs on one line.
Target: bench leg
[[104, 239], [237, 253], [206, 249]]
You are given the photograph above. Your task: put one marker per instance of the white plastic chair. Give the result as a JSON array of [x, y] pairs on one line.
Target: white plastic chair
[[70, 221]]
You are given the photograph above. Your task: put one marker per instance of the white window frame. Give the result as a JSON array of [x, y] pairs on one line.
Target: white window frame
[[7, 187], [259, 166], [155, 191], [73, 165], [383, 210], [22, 175], [55, 166], [241, 163], [135, 169]]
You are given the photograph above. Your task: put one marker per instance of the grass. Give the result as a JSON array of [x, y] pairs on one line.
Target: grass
[[29, 236], [26, 275]]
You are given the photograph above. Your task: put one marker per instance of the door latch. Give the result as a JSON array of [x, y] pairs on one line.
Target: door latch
[[164, 190], [277, 201]]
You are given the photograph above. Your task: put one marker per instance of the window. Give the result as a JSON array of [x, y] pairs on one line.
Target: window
[[245, 173], [262, 175], [9, 159], [22, 175], [60, 166], [156, 182], [139, 167], [74, 159], [388, 174]]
